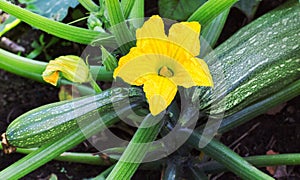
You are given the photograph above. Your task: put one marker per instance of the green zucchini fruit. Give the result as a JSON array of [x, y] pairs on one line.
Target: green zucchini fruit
[[259, 60], [51, 122]]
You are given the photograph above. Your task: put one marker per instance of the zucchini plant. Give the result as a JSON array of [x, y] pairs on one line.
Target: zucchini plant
[[252, 71]]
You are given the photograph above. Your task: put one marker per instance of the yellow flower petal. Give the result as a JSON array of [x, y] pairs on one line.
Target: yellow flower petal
[[51, 78], [192, 72], [140, 65], [151, 37], [185, 35], [71, 67], [160, 92]]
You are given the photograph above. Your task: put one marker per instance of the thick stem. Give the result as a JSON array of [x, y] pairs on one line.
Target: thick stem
[[64, 31], [210, 10], [137, 148], [118, 26], [228, 158]]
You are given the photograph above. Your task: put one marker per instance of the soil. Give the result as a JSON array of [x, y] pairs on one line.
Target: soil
[[277, 130]]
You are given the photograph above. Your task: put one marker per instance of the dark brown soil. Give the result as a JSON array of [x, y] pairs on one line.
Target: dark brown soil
[[278, 130]]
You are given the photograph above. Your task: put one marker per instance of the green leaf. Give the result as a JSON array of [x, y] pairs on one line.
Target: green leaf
[[248, 7], [178, 9], [53, 9]]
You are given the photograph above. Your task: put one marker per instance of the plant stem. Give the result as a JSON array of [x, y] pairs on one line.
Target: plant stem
[[89, 5], [228, 158], [212, 32], [137, 148], [118, 26], [137, 13], [53, 149], [210, 10], [209, 167], [127, 6], [259, 161], [64, 31], [74, 157], [10, 26], [104, 174], [95, 86]]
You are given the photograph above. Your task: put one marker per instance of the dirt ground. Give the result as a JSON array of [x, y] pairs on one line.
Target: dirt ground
[[277, 130]]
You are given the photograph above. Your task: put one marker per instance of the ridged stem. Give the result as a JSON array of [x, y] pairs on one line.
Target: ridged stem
[[127, 7], [89, 5], [136, 149], [210, 10], [10, 26], [137, 13], [228, 158], [64, 31], [118, 26], [212, 32], [258, 161]]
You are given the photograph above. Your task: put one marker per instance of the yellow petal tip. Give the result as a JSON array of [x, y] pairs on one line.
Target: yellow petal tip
[[157, 104]]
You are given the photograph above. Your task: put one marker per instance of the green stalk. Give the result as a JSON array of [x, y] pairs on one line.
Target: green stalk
[[209, 167], [53, 149], [91, 159], [259, 161], [137, 13], [95, 86], [210, 10], [33, 69], [10, 26], [74, 157], [228, 158], [64, 31], [212, 32], [118, 26], [137, 148], [104, 174], [89, 5], [127, 6]]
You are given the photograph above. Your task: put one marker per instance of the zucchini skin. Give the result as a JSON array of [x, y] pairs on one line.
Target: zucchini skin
[[51, 122], [260, 59]]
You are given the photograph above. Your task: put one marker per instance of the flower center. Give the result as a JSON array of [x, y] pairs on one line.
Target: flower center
[[165, 71]]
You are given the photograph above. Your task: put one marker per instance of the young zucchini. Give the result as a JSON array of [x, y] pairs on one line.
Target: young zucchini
[[259, 60], [51, 122]]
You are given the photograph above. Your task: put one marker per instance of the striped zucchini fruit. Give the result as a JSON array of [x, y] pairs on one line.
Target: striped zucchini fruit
[[260, 59], [51, 122]]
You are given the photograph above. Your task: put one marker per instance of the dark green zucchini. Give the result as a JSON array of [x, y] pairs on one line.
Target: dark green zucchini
[[51, 122], [260, 59]]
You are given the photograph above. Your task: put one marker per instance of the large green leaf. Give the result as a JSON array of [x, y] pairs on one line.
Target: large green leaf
[[178, 9], [52, 9]]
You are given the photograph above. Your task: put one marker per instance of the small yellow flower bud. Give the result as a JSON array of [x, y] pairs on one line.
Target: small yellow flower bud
[[70, 67]]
